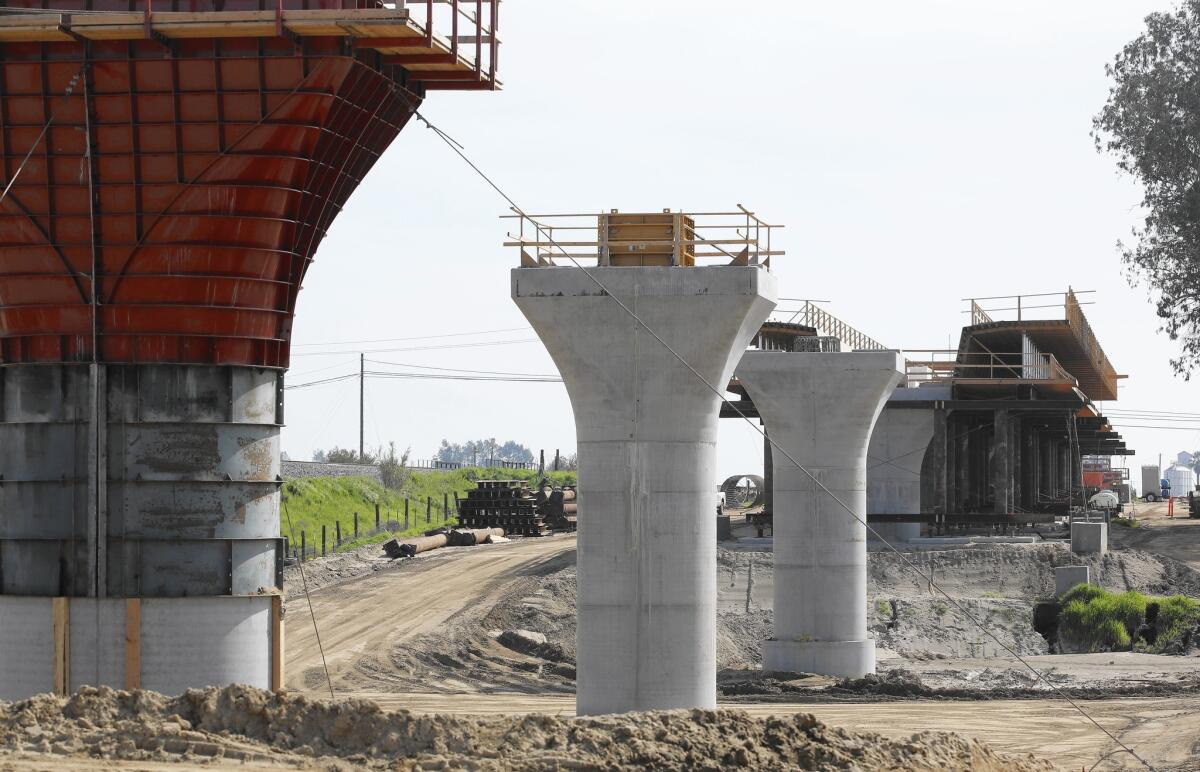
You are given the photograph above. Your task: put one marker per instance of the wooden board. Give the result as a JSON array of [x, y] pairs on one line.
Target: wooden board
[[276, 643], [133, 644], [61, 608]]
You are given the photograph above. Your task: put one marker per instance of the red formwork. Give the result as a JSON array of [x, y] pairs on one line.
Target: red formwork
[[175, 194]]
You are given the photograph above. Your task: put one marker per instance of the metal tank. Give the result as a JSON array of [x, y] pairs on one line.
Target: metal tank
[[169, 173], [1182, 480]]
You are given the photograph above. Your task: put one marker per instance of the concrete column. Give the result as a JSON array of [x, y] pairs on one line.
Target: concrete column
[[894, 459], [820, 408], [1001, 464], [647, 430]]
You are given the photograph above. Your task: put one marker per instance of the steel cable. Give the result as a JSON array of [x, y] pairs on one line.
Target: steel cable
[[313, 614]]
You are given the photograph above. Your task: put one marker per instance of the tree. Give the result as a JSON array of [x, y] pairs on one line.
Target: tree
[[393, 469], [1151, 124], [482, 452], [336, 455]]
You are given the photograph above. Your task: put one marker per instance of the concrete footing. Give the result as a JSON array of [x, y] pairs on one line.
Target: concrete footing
[[169, 645], [1089, 538], [820, 408], [646, 429], [1066, 577]]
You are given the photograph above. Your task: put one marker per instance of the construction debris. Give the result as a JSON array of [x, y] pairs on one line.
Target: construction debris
[[507, 504], [239, 725]]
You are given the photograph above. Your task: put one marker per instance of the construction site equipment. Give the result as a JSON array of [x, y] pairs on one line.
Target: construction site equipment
[[663, 238], [744, 491], [506, 504], [406, 548], [468, 537], [169, 175], [1151, 475], [559, 507]]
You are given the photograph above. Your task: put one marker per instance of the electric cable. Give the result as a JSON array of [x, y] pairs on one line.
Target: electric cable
[[479, 344], [311, 612], [459, 150], [418, 337]]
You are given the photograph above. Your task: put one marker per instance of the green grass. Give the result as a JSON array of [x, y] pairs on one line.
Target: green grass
[[1128, 522], [315, 501], [1093, 619]]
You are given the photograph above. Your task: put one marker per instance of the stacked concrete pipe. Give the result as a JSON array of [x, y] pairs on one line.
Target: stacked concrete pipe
[[647, 430], [820, 409]]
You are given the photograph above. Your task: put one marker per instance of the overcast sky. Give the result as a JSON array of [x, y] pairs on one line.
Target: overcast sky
[[918, 153]]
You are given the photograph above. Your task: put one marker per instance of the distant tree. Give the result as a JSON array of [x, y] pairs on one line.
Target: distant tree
[[482, 452], [569, 462], [1151, 124], [393, 469], [336, 455]]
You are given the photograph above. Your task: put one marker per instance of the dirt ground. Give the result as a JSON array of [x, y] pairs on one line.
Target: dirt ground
[[489, 631], [420, 635]]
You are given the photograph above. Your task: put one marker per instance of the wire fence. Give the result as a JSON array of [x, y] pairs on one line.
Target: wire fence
[[305, 545]]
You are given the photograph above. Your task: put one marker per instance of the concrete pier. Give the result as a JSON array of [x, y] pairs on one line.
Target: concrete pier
[[894, 457], [820, 408], [647, 430]]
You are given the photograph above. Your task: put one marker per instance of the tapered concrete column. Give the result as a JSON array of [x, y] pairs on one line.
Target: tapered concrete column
[[894, 457], [820, 408], [646, 430]]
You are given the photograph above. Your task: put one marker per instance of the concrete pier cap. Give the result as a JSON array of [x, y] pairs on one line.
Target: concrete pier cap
[[820, 408], [647, 431]]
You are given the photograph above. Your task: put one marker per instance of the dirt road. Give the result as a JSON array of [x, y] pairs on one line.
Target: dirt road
[[366, 619], [1177, 537], [368, 616]]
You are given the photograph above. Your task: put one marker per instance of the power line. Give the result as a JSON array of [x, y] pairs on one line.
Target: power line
[[417, 337], [457, 148], [479, 344], [441, 377], [457, 370]]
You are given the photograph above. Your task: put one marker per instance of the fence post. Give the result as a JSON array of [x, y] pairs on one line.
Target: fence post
[[355, 525], [323, 540], [541, 462], [287, 546], [303, 547], [338, 528], [406, 514], [376, 517], [556, 459], [445, 507], [428, 509]]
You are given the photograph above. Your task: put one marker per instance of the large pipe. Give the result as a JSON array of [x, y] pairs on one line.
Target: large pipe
[[469, 537], [647, 431], [419, 544]]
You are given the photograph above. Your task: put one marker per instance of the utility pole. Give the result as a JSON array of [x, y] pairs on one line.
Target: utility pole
[[362, 404]]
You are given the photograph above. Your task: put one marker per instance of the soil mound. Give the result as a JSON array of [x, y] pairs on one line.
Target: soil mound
[[239, 723]]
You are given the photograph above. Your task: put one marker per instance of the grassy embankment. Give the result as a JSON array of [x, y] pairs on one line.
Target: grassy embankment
[[315, 501], [1093, 619]]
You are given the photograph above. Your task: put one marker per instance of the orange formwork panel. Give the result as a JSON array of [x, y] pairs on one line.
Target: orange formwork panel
[[167, 196]]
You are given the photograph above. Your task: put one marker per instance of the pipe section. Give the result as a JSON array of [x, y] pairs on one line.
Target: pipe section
[[647, 430], [820, 408]]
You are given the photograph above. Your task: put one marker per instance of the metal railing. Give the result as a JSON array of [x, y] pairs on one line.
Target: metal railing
[[1022, 306], [464, 31], [812, 315], [953, 366], [436, 464], [674, 238]]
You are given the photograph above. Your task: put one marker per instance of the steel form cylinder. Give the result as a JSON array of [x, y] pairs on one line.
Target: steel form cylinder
[[165, 199]]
